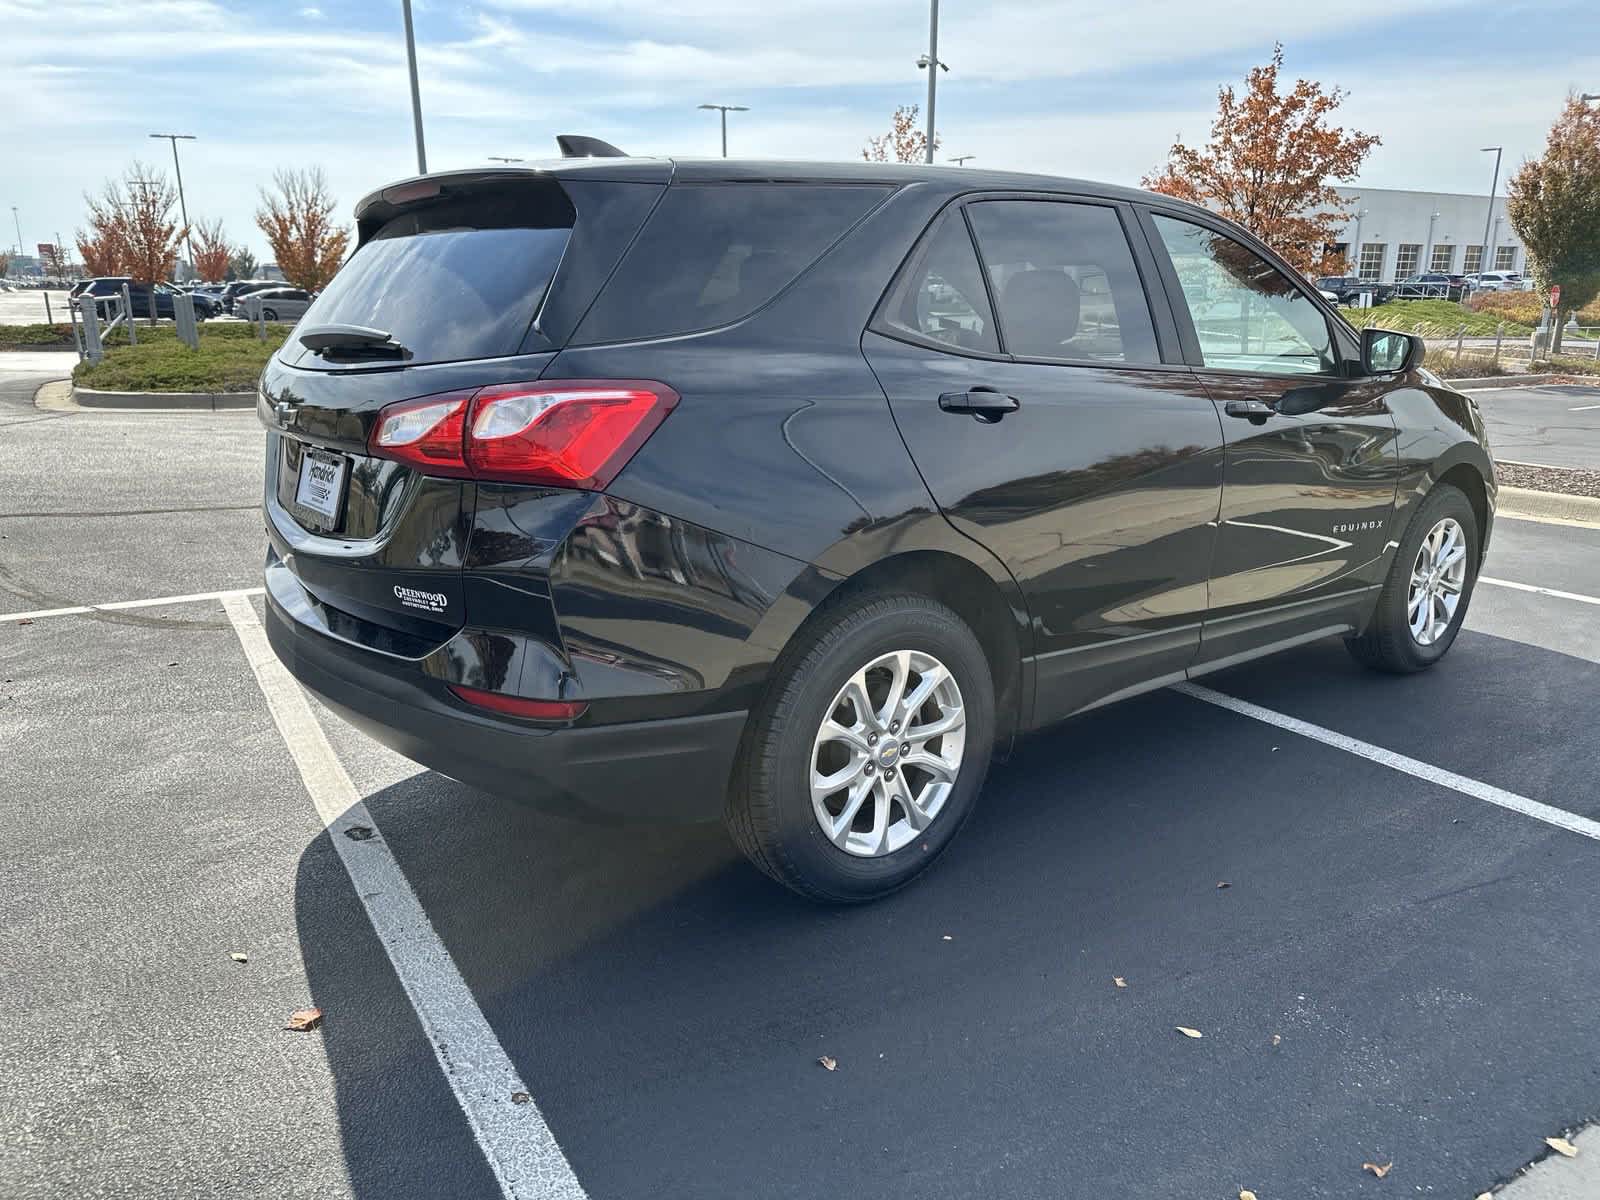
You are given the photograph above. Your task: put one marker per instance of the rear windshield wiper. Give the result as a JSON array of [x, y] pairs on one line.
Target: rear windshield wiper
[[351, 342]]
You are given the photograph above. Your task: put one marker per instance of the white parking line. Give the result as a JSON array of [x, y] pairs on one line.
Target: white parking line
[[1398, 762], [1584, 408], [1539, 591], [120, 605], [521, 1150]]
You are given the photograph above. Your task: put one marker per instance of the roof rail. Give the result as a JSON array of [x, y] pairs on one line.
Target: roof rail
[[575, 145]]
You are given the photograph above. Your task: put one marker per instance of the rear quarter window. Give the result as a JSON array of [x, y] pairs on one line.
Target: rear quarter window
[[712, 254]]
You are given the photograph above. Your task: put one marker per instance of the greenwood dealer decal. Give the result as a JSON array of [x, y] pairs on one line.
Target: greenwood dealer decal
[[433, 602]]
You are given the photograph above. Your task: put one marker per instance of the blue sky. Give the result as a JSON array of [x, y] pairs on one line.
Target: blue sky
[[1093, 88]]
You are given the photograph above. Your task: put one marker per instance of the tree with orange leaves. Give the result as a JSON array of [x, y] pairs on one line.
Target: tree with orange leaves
[[904, 142], [131, 228], [102, 246], [211, 251], [1555, 208], [298, 220], [1271, 163]]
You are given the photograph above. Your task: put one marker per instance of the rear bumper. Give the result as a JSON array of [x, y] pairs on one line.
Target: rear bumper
[[674, 769]]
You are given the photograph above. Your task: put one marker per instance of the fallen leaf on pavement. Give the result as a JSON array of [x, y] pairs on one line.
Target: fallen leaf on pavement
[[829, 1063], [1189, 1033], [1562, 1147], [303, 1020], [1223, 884], [948, 938], [1277, 1038], [1380, 1172], [520, 1097], [1483, 1196], [1246, 1194], [358, 833], [237, 957], [1119, 981], [25, 621]]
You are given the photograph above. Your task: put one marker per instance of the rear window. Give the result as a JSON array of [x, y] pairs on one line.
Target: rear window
[[455, 279], [712, 254]]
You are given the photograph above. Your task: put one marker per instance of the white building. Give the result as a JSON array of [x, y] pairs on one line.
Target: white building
[[1392, 234]]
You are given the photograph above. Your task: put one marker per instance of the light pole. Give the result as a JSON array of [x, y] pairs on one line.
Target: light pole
[[928, 62], [1427, 250], [183, 208], [416, 93], [725, 109], [15, 221], [1487, 216], [1355, 246], [961, 160]]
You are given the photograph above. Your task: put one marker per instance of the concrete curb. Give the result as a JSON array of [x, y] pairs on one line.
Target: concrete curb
[[1489, 383], [1555, 507], [194, 401]]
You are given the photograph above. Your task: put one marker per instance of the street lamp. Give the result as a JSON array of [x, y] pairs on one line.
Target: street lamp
[[961, 160], [416, 93], [926, 63], [1484, 249], [1588, 96], [725, 109], [1427, 250], [18, 224], [183, 208]]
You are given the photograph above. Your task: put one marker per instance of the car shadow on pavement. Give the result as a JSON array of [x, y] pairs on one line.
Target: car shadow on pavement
[[668, 1007]]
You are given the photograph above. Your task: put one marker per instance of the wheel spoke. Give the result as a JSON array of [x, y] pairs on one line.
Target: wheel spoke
[[840, 831], [1453, 586], [950, 720], [878, 839], [855, 692], [916, 817], [900, 666], [832, 731], [823, 786], [918, 696], [930, 762]]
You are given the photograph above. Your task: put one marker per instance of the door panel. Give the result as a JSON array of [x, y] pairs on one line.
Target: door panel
[[1100, 494], [1312, 461]]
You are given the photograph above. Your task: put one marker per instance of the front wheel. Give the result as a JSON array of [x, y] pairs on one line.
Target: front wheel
[[869, 752], [1424, 599], [269, 314]]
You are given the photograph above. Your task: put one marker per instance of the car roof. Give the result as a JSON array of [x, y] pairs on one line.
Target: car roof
[[737, 170]]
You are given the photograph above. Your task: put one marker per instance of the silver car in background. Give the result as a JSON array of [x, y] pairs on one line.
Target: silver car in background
[[274, 304]]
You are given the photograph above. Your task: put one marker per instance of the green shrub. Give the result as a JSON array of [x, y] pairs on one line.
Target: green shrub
[[35, 335], [1432, 318], [230, 359]]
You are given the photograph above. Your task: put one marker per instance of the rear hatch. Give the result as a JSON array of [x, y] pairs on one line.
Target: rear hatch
[[459, 281]]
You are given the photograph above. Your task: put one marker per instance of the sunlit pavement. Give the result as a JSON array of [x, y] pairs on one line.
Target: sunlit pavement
[[1396, 972]]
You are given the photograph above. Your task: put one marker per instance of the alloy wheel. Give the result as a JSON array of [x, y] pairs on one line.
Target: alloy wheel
[[887, 753], [1438, 578]]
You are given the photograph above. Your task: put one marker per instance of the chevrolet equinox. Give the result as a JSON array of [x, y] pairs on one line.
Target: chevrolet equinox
[[788, 493]]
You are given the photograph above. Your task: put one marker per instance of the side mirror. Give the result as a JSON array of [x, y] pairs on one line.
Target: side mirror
[[1384, 352]]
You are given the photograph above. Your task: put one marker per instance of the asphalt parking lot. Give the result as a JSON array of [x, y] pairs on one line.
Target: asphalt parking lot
[[1401, 969]]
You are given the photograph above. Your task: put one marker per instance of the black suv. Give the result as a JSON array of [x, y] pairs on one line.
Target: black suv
[[145, 300], [787, 493]]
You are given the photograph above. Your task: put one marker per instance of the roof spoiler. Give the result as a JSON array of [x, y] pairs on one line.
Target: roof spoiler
[[575, 145]]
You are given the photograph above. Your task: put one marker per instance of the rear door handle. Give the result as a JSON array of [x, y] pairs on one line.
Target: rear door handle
[[982, 402], [1253, 410]]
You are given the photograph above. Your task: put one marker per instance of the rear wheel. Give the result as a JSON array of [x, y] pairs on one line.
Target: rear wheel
[[869, 752], [269, 314], [1424, 599]]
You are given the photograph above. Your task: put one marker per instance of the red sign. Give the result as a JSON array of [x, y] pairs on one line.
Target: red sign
[[1555, 296]]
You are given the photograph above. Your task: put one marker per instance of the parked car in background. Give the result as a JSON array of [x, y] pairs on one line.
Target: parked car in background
[[1432, 285], [274, 304], [1349, 288], [147, 300], [239, 287], [1495, 281], [812, 484]]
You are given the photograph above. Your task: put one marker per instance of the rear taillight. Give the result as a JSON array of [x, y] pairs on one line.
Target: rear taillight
[[577, 433]]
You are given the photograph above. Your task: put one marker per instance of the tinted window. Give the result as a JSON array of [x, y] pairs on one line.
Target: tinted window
[[940, 295], [453, 280], [714, 253], [1064, 281], [1248, 315]]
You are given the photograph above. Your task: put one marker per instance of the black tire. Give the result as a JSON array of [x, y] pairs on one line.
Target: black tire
[[769, 807], [1388, 644], [269, 314]]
